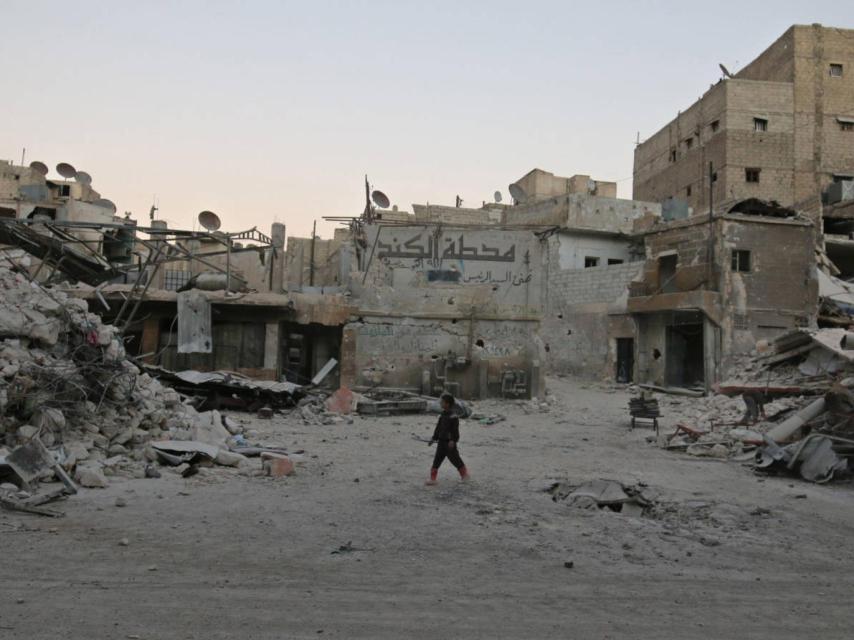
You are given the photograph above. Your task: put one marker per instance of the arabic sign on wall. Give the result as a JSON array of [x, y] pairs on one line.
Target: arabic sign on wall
[[480, 256]]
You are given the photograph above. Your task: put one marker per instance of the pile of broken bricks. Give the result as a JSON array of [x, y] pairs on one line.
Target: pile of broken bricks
[[70, 393]]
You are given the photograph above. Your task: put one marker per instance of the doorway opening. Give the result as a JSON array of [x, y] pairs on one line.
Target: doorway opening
[[625, 359], [685, 365]]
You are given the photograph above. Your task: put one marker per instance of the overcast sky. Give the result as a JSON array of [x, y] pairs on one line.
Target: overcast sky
[[274, 111]]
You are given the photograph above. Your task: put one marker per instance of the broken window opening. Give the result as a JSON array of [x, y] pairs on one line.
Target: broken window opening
[[835, 70], [760, 124], [752, 174], [479, 342], [613, 261], [715, 125], [741, 260], [667, 273], [175, 279], [673, 155], [689, 142], [688, 191], [590, 261], [846, 126]]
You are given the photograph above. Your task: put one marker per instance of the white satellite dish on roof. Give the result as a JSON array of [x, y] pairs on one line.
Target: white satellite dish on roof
[[39, 167], [209, 220], [497, 196], [380, 199], [106, 204], [517, 193], [83, 178], [66, 170]]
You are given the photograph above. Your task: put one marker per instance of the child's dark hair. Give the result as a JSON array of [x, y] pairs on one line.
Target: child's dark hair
[[447, 397]]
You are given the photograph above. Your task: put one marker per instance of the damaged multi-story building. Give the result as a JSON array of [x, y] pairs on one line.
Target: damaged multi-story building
[[755, 181]]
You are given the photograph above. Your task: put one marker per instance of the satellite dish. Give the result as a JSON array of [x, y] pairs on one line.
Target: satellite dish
[[591, 186], [725, 70], [497, 196], [518, 193], [106, 204], [83, 178], [209, 220], [66, 170], [380, 199], [39, 167]]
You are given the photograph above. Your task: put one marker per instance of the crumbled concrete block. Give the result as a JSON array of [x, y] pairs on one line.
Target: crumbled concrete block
[[90, 477], [229, 458]]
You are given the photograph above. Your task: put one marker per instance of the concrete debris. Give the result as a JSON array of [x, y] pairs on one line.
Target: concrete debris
[[66, 383], [797, 390], [276, 465]]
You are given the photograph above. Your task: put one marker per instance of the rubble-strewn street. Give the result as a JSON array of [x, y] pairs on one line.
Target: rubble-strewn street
[[353, 544]]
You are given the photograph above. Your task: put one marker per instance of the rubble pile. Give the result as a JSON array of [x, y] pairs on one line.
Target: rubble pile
[[790, 408], [66, 381]]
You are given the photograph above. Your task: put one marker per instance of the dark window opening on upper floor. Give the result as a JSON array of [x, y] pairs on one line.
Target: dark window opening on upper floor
[[590, 261], [688, 191], [716, 124], [838, 177], [612, 261], [740, 260], [846, 125], [64, 190], [752, 175], [673, 155], [835, 70], [689, 142], [667, 273], [760, 124]]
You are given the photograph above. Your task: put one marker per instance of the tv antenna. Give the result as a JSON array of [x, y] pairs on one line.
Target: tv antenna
[[373, 198]]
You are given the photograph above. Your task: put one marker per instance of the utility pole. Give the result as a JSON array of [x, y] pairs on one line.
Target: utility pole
[[311, 256], [711, 251]]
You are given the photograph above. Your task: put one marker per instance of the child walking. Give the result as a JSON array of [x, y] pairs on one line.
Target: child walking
[[446, 436]]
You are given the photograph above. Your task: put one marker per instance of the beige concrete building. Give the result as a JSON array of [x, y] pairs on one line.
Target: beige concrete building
[[782, 128]]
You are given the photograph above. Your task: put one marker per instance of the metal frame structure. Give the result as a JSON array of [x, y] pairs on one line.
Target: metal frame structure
[[60, 250]]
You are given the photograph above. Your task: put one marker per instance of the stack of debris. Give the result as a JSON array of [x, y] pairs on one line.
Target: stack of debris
[[67, 385], [791, 408]]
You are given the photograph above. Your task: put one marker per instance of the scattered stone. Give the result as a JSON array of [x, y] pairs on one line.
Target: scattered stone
[[90, 478], [124, 542], [121, 502], [569, 564], [276, 465], [229, 458]]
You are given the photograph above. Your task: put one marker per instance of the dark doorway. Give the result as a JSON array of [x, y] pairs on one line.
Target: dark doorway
[[625, 359], [685, 362], [305, 348]]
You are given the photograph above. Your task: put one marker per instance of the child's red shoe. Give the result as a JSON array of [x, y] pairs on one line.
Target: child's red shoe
[[434, 473], [464, 473]]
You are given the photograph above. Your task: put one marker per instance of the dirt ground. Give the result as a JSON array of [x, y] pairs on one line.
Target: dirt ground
[[226, 554]]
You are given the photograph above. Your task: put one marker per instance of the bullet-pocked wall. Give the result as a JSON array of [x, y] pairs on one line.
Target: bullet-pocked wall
[[443, 304]]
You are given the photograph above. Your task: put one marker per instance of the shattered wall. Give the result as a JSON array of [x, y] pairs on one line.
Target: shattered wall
[[582, 211], [329, 256], [449, 302], [751, 298]]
